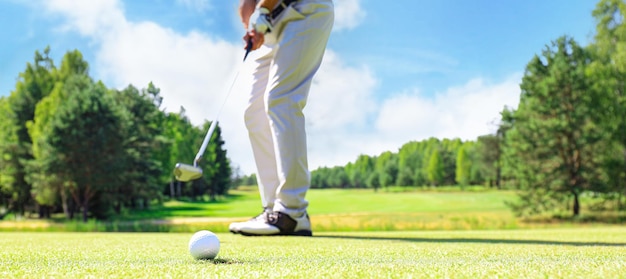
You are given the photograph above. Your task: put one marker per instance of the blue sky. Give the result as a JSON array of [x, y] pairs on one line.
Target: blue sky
[[395, 71]]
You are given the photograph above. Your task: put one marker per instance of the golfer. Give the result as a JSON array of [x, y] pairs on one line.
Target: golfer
[[290, 37]]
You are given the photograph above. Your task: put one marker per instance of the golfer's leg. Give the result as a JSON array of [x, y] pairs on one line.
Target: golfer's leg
[[297, 58], [260, 133]]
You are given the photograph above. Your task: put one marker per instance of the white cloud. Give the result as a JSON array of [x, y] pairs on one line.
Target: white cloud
[[348, 14], [88, 17], [340, 105], [464, 112]]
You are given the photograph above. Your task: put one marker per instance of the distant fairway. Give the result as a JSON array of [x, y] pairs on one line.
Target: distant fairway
[[245, 201], [349, 210], [542, 253], [330, 210]]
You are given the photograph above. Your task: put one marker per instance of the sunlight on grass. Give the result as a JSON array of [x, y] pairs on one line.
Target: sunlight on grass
[[548, 253], [330, 210]]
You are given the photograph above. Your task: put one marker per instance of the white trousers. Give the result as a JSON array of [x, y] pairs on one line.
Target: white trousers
[[284, 69]]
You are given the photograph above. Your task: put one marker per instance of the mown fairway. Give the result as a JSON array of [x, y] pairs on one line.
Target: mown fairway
[[598, 252], [349, 210], [331, 210], [245, 201]]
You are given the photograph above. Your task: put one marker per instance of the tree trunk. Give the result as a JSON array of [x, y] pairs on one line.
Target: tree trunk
[[85, 210], [498, 177], [44, 211], [66, 209], [622, 191], [576, 207]]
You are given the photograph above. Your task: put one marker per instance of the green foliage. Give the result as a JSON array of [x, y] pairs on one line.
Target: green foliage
[[373, 181], [35, 83], [435, 168], [386, 167], [408, 167], [556, 137], [142, 175], [8, 159], [463, 165], [67, 142], [609, 71], [360, 174], [488, 158], [87, 140]]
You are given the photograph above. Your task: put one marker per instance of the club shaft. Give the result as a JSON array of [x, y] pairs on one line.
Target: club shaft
[[209, 133]]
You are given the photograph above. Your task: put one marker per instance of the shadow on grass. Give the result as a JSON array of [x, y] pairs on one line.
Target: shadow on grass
[[220, 261], [479, 241]]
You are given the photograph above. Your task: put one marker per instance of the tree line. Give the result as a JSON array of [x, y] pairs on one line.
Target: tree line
[[566, 141], [70, 144], [431, 162]]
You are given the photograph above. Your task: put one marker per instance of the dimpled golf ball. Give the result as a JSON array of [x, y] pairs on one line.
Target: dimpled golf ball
[[204, 245]]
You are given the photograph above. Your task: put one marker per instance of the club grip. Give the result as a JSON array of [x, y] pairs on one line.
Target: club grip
[[248, 48]]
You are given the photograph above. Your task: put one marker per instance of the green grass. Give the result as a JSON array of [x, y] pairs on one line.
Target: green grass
[[542, 253], [358, 201], [358, 234], [333, 210], [330, 210], [245, 201]]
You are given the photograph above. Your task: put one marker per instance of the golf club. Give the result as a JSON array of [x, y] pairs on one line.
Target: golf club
[[185, 172]]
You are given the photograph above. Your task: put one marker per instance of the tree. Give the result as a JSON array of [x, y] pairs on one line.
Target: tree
[[488, 151], [48, 186], [555, 139], [405, 177], [410, 158], [217, 166], [435, 169], [386, 166], [373, 181], [609, 70], [8, 160], [87, 138], [143, 142], [448, 150], [463, 167], [183, 140], [360, 171], [35, 83], [389, 174]]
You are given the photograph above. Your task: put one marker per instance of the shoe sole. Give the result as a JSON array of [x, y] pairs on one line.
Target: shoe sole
[[298, 233]]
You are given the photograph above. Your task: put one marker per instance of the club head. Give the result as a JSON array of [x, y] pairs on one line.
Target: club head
[[185, 173]]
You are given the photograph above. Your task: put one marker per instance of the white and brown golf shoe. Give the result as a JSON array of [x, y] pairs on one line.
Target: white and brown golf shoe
[[274, 223]]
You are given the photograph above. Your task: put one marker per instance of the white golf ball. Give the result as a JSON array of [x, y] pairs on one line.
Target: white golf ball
[[204, 245]]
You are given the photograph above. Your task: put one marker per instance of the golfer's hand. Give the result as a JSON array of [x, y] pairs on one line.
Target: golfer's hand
[[255, 37]]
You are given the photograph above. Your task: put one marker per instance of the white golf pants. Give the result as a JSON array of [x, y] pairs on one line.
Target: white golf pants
[[284, 69]]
